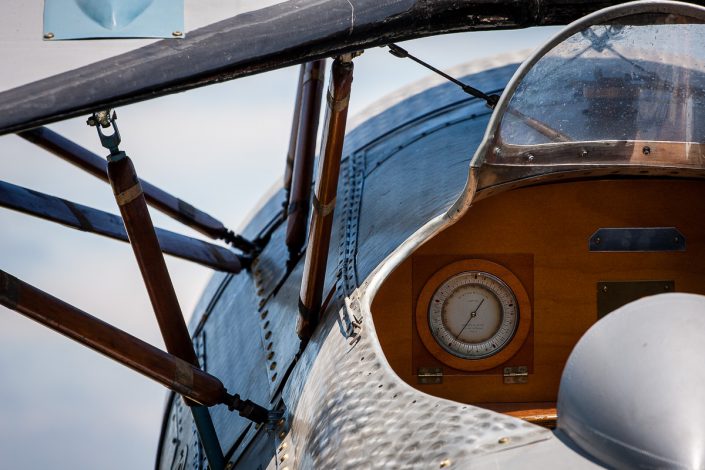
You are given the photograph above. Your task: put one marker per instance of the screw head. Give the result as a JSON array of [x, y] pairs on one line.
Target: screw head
[[646, 150], [49, 35], [177, 34], [503, 440], [445, 463]]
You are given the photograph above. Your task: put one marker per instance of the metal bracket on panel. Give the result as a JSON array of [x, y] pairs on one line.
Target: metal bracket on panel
[[637, 239], [516, 375], [612, 295], [430, 375]]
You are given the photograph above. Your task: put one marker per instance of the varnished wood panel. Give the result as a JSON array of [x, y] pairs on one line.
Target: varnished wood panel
[[546, 229]]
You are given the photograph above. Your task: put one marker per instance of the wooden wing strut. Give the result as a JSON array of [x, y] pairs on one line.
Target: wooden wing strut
[[92, 220], [300, 195], [156, 197], [325, 196]]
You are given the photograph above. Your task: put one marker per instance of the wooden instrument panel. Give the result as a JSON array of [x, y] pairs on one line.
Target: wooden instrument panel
[[541, 234]]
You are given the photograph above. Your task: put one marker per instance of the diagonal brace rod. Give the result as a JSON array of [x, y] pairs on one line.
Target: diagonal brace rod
[[92, 220]]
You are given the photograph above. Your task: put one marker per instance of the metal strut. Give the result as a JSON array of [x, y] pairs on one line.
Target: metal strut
[[138, 224]]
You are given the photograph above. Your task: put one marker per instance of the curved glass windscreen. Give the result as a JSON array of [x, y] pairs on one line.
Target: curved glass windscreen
[[631, 90]]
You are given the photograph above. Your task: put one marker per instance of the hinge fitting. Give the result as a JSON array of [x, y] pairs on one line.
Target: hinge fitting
[[430, 375], [516, 375]]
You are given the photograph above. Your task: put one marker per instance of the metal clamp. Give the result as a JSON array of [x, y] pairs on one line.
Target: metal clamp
[[103, 120]]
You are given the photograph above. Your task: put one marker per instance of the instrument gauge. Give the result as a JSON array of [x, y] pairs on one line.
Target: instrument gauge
[[473, 315]]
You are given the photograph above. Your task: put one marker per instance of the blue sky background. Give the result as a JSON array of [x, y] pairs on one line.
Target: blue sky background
[[220, 148]]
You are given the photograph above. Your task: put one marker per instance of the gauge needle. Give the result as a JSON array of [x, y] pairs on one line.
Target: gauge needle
[[473, 314]]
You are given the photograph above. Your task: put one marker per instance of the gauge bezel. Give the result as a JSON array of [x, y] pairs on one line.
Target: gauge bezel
[[493, 269]]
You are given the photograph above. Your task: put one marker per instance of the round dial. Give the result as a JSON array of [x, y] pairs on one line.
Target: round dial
[[473, 315]]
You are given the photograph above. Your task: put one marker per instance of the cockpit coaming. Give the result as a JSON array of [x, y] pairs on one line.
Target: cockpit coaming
[[585, 194]]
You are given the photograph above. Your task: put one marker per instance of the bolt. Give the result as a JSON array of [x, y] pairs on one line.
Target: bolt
[[281, 422], [646, 150], [598, 240], [583, 153], [272, 366], [503, 440], [264, 314], [445, 463], [604, 288], [48, 35], [270, 355], [177, 34], [529, 157]]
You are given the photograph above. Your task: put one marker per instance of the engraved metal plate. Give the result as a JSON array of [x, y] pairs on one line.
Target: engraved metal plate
[[430, 375], [637, 239], [612, 295], [516, 375]]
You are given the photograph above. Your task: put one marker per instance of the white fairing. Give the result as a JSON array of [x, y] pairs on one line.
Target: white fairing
[[633, 391]]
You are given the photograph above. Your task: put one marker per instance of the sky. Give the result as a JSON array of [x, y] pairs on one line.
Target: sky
[[220, 148]]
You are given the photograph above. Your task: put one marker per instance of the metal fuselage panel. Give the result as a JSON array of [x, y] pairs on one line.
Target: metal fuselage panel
[[344, 406]]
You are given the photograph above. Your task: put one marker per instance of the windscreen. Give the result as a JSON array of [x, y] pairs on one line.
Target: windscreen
[[636, 79]]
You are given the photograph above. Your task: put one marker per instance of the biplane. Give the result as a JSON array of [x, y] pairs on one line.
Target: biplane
[[503, 270]]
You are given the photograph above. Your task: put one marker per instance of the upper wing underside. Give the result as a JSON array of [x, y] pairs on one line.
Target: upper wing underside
[[51, 81]]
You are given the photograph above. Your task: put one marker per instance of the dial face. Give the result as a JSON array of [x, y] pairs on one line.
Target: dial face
[[473, 315]]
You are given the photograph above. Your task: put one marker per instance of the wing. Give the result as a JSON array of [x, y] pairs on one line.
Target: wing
[[277, 36]]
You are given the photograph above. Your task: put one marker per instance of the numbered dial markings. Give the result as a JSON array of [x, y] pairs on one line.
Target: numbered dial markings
[[473, 315]]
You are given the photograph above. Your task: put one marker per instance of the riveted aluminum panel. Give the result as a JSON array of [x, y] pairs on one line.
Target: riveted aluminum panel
[[423, 99], [432, 170], [277, 319], [235, 354]]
